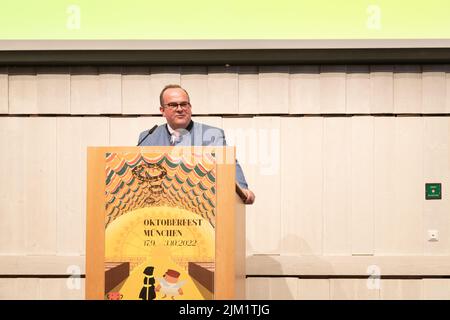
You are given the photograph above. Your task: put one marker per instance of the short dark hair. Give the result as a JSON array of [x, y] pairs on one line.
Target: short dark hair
[[170, 86]]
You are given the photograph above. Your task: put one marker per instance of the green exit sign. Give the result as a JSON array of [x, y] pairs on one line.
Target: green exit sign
[[433, 191]]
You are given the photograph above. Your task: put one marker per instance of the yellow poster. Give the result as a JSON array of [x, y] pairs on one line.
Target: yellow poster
[[160, 226]]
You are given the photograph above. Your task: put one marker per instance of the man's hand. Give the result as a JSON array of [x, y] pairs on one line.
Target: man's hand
[[250, 196]]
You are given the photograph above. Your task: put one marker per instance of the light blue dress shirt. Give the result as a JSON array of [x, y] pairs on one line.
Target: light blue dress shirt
[[197, 134]]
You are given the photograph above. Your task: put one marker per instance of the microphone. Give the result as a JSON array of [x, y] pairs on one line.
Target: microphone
[[149, 133]]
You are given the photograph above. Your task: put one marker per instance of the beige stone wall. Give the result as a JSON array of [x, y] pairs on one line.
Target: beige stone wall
[[337, 155]]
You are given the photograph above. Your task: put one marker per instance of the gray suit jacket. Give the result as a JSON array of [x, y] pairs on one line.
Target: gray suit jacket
[[198, 135]]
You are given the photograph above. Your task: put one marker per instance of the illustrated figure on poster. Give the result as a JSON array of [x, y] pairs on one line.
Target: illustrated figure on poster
[[148, 290], [169, 285]]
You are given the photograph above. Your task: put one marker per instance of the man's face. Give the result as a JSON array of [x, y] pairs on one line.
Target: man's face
[[178, 117]]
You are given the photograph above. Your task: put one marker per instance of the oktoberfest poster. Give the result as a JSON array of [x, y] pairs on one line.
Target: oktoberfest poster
[[159, 227]]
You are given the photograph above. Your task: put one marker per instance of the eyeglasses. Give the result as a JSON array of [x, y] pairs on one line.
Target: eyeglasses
[[173, 105]]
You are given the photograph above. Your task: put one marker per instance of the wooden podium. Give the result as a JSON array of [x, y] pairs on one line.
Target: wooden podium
[[197, 180]]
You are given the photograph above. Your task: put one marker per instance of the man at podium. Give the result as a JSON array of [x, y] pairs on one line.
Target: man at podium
[[180, 130]]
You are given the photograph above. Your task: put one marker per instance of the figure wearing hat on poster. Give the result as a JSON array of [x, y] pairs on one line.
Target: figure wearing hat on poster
[[169, 285]]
